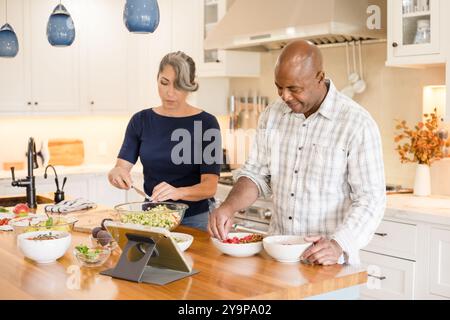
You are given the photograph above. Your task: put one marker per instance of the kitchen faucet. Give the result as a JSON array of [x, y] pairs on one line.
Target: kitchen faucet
[[29, 182]]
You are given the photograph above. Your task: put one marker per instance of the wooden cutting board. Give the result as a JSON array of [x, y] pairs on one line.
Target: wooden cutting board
[[66, 152]]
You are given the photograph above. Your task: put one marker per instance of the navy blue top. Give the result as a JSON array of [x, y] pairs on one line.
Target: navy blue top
[[171, 150]]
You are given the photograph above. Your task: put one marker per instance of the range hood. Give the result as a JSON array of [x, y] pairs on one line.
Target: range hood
[[270, 24]]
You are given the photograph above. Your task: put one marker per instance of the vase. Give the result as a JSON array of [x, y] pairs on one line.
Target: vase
[[422, 182]]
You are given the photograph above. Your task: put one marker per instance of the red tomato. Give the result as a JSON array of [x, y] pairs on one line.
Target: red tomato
[[21, 208]]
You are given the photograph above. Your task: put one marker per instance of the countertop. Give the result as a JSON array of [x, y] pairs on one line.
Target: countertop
[[67, 170], [433, 209], [221, 277]]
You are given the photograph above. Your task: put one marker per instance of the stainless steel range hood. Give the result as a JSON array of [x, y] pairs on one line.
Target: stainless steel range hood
[[269, 24]]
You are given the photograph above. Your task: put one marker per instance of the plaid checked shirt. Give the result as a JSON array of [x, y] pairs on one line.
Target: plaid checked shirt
[[325, 173]]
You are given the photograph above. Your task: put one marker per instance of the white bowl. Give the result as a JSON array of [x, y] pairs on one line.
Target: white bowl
[[182, 240], [238, 250], [286, 249], [44, 251]]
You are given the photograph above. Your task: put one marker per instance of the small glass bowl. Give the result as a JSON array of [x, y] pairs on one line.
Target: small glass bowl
[[97, 242], [32, 223], [102, 254]]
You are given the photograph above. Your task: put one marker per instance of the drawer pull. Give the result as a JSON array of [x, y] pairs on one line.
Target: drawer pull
[[381, 234], [378, 278]]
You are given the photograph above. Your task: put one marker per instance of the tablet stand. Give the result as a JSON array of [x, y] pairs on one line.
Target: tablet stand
[[132, 265]]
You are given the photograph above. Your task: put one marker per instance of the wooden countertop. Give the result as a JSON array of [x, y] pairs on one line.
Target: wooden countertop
[[221, 277]]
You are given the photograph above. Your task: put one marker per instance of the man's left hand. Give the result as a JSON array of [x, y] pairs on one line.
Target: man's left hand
[[323, 251]]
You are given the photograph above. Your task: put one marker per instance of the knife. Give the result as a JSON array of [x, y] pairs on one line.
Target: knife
[[142, 193]]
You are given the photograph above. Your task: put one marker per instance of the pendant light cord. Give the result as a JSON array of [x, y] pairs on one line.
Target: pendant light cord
[[6, 11]]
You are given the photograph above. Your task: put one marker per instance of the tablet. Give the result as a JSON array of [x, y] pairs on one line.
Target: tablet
[[169, 255]]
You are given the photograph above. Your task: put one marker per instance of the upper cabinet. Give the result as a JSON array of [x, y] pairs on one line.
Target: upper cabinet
[[12, 80], [107, 57], [41, 78], [55, 72], [223, 63], [416, 32]]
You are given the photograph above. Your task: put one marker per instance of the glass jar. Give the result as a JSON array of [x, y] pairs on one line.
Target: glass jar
[[423, 34]]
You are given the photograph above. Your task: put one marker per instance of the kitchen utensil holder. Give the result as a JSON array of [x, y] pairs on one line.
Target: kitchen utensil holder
[[59, 196]]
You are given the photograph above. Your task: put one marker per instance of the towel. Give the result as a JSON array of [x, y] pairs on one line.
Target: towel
[[70, 206]]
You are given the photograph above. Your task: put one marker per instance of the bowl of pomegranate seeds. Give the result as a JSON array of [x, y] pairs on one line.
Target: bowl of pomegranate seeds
[[240, 244]]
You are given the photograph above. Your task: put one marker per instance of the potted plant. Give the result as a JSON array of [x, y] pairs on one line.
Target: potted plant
[[423, 146]]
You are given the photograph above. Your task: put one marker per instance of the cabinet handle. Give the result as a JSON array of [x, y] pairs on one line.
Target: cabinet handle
[[29, 103], [381, 234], [378, 278], [218, 61], [92, 103], [36, 103], [395, 44]]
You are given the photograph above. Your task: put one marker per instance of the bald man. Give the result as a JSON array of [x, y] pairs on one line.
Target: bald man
[[319, 155]]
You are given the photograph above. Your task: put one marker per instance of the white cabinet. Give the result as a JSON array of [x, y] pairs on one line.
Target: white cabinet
[[77, 186], [223, 63], [391, 260], [12, 80], [40, 78], [395, 239], [54, 76], [102, 192], [107, 54], [149, 50], [389, 278], [439, 263], [416, 32]]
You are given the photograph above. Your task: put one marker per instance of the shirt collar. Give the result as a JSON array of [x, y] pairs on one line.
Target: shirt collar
[[327, 108]]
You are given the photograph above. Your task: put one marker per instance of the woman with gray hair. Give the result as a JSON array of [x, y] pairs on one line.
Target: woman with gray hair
[[178, 144]]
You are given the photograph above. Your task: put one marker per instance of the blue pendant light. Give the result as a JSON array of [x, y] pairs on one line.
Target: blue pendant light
[[9, 44], [60, 27], [141, 16]]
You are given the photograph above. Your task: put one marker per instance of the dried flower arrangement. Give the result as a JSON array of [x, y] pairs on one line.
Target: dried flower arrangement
[[424, 144]]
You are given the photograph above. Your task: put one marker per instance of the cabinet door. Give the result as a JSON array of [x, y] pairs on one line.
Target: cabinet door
[[13, 88], [150, 49], [104, 193], [389, 278], [107, 56], [55, 72], [440, 262], [415, 27]]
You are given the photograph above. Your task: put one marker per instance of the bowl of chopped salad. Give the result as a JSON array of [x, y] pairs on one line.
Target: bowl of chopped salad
[[240, 245], [166, 215], [92, 257]]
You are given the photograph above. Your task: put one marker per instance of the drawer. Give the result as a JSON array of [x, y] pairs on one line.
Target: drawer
[[395, 239], [389, 278]]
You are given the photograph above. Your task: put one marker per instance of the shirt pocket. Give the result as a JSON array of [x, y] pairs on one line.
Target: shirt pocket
[[327, 168]]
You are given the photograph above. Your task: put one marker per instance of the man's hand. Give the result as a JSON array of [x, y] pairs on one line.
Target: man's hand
[[323, 251], [164, 191], [220, 223]]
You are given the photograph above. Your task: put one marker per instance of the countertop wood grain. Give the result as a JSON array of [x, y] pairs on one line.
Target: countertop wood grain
[[221, 277]]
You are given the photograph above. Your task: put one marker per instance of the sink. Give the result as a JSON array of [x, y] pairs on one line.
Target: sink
[[13, 200]]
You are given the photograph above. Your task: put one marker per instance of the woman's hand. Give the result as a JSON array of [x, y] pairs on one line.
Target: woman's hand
[[164, 191], [120, 178]]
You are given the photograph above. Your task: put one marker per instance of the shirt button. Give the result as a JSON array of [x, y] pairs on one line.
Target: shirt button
[[304, 125], [292, 194], [300, 149], [290, 218], [296, 171]]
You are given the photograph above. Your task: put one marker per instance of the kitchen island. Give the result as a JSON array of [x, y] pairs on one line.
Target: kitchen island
[[221, 277]]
